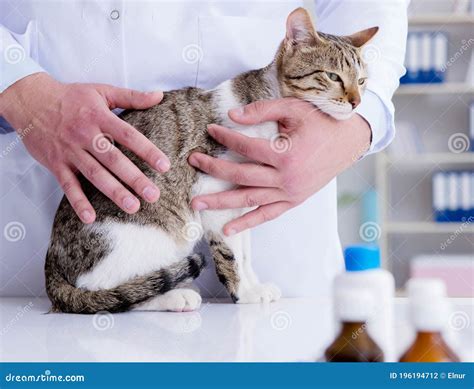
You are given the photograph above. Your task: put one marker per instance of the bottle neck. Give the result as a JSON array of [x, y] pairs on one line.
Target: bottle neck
[[354, 328], [429, 336]]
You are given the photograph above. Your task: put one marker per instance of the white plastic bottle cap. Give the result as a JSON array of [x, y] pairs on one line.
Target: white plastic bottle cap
[[353, 305], [426, 288], [428, 304]]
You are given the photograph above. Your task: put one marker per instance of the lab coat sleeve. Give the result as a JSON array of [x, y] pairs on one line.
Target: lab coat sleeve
[[384, 55], [15, 62]]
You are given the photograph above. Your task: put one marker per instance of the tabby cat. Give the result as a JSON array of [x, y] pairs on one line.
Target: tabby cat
[[146, 261]]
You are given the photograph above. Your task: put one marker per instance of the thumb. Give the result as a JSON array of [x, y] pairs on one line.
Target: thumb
[[279, 110], [129, 98]]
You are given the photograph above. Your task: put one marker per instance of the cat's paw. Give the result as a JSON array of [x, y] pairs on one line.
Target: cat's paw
[[259, 293], [176, 300], [182, 300]]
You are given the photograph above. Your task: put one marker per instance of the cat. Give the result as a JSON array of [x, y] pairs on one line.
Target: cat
[[146, 261]]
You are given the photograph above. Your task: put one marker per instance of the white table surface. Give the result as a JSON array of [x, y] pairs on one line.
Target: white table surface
[[289, 330]]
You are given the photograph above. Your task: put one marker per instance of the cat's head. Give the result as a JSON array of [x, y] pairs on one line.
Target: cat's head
[[326, 70]]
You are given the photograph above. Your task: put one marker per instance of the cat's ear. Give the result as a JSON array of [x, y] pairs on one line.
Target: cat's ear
[[360, 38], [299, 27]]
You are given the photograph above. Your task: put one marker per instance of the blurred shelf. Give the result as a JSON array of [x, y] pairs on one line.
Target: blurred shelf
[[417, 161], [442, 19], [428, 228], [434, 89]]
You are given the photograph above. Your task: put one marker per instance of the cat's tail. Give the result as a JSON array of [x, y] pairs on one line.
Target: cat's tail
[[67, 298]]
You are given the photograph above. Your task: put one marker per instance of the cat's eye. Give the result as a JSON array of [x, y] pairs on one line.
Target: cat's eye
[[362, 81], [333, 76]]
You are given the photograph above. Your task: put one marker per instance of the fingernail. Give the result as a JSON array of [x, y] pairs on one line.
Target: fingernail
[[129, 202], [193, 160], [231, 232], [237, 111], [210, 129], [154, 92], [199, 206], [150, 193], [162, 165], [86, 216]]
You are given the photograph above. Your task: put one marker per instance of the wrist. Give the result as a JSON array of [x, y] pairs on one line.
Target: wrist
[[359, 134], [17, 98]]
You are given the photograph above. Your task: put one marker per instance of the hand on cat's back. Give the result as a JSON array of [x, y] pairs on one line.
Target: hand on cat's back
[[70, 128], [310, 150]]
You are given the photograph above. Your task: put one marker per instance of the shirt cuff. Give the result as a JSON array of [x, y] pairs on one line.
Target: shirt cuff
[[381, 122], [15, 61]]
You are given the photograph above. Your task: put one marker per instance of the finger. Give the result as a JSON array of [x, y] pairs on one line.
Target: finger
[[128, 172], [258, 216], [239, 198], [135, 141], [253, 148], [129, 98], [105, 182], [285, 111], [248, 174], [75, 195]]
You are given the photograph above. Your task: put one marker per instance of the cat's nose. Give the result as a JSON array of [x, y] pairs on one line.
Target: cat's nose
[[354, 101]]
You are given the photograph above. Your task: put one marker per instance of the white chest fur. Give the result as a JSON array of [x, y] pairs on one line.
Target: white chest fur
[[226, 100]]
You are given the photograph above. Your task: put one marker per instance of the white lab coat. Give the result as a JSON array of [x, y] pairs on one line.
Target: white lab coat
[[164, 45]]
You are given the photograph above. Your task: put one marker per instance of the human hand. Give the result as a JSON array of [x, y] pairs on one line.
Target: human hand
[[70, 129], [310, 151]]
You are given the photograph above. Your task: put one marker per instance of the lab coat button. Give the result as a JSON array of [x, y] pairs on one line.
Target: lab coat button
[[114, 15]]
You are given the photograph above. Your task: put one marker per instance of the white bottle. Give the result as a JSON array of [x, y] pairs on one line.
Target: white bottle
[[363, 271]]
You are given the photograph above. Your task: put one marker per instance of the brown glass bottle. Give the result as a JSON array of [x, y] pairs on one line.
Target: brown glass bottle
[[354, 344], [429, 347]]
